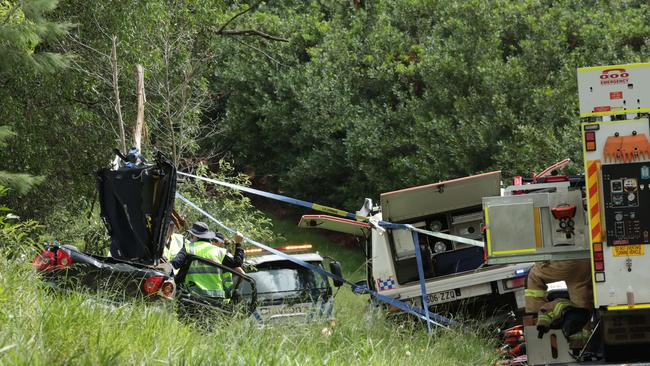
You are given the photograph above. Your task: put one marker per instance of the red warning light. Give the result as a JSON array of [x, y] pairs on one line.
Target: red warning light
[[590, 140]]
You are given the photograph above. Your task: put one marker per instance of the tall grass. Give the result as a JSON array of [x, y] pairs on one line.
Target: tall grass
[[40, 326]]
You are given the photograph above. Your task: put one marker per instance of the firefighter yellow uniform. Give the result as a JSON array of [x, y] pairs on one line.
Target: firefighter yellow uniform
[[577, 276]]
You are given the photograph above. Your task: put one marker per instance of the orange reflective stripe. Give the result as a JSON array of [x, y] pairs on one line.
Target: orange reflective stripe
[[593, 167]]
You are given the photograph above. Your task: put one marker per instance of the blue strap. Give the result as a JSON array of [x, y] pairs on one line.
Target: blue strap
[[423, 288], [430, 318], [334, 211], [274, 196]]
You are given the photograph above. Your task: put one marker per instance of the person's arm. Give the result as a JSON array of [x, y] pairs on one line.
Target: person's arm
[[238, 259], [234, 261]]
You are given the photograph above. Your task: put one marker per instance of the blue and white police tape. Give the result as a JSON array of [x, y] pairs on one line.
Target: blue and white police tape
[[335, 211], [432, 318]]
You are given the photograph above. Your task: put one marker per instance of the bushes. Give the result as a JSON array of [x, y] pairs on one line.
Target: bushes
[[82, 228], [225, 204], [16, 237]]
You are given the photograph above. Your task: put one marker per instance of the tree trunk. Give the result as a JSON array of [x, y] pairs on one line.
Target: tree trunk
[[139, 123], [116, 89]]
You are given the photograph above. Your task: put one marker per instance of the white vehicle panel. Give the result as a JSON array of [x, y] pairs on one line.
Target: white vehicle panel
[[332, 223], [614, 89], [431, 199], [479, 277]]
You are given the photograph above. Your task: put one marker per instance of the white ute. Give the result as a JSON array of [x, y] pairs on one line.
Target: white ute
[[287, 291], [456, 273]]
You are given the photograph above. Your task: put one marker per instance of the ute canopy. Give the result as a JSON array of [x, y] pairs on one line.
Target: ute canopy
[[136, 205], [335, 224], [412, 203]]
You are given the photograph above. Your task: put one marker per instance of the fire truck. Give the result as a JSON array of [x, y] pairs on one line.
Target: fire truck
[[610, 226]]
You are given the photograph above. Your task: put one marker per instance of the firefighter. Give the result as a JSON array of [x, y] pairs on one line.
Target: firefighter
[[571, 314]]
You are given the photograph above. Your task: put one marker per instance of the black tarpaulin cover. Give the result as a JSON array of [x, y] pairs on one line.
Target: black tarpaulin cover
[[136, 204]]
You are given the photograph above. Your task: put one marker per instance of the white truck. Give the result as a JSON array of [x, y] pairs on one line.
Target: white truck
[[615, 125], [287, 291], [456, 274]]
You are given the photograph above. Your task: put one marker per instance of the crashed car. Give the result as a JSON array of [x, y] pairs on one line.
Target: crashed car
[[136, 203], [287, 291], [66, 267]]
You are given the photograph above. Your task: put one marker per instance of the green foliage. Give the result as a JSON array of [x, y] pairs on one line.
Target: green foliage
[[25, 94], [227, 205], [17, 237], [23, 27], [67, 120], [400, 93], [85, 231], [21, 183]]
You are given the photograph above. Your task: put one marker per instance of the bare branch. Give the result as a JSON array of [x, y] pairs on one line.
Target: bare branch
[[166, 51], [261, 51], [88, 47], [116, 90], [139, 123], [252, 32], [238, 15], [247, 32]]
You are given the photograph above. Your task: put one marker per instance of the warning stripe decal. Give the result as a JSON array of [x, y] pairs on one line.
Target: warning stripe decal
[[594, 205]]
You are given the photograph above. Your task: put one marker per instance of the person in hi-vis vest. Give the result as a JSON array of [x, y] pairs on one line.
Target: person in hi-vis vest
[[203, 279]]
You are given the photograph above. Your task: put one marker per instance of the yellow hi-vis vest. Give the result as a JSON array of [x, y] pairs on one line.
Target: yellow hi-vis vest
[[176, 242], [201, 278]]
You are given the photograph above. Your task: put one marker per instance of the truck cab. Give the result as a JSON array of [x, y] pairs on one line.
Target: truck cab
[[287, 291], [456, 274]]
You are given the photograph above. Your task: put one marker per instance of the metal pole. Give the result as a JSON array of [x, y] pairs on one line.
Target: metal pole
[[423, 288]]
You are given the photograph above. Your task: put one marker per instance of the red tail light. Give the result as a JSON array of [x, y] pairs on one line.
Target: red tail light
[[44, 261], [48, 260], [63, 259], [168, 289], [516, 282], [151, 285]]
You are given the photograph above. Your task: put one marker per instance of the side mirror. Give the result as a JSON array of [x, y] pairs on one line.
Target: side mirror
[[335, 268]]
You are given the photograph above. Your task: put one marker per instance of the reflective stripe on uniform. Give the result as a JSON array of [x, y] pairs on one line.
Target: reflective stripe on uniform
[[534, 293], [543, 319], [227, 283], [227, 279], [208, 293], [194, 270], [582, 335], [558, 308]]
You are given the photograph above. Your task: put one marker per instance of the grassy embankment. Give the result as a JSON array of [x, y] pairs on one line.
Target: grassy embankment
[[38, 326]]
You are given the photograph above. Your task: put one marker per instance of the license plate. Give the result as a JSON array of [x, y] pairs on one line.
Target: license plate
[[443, 296], [628, 250]]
